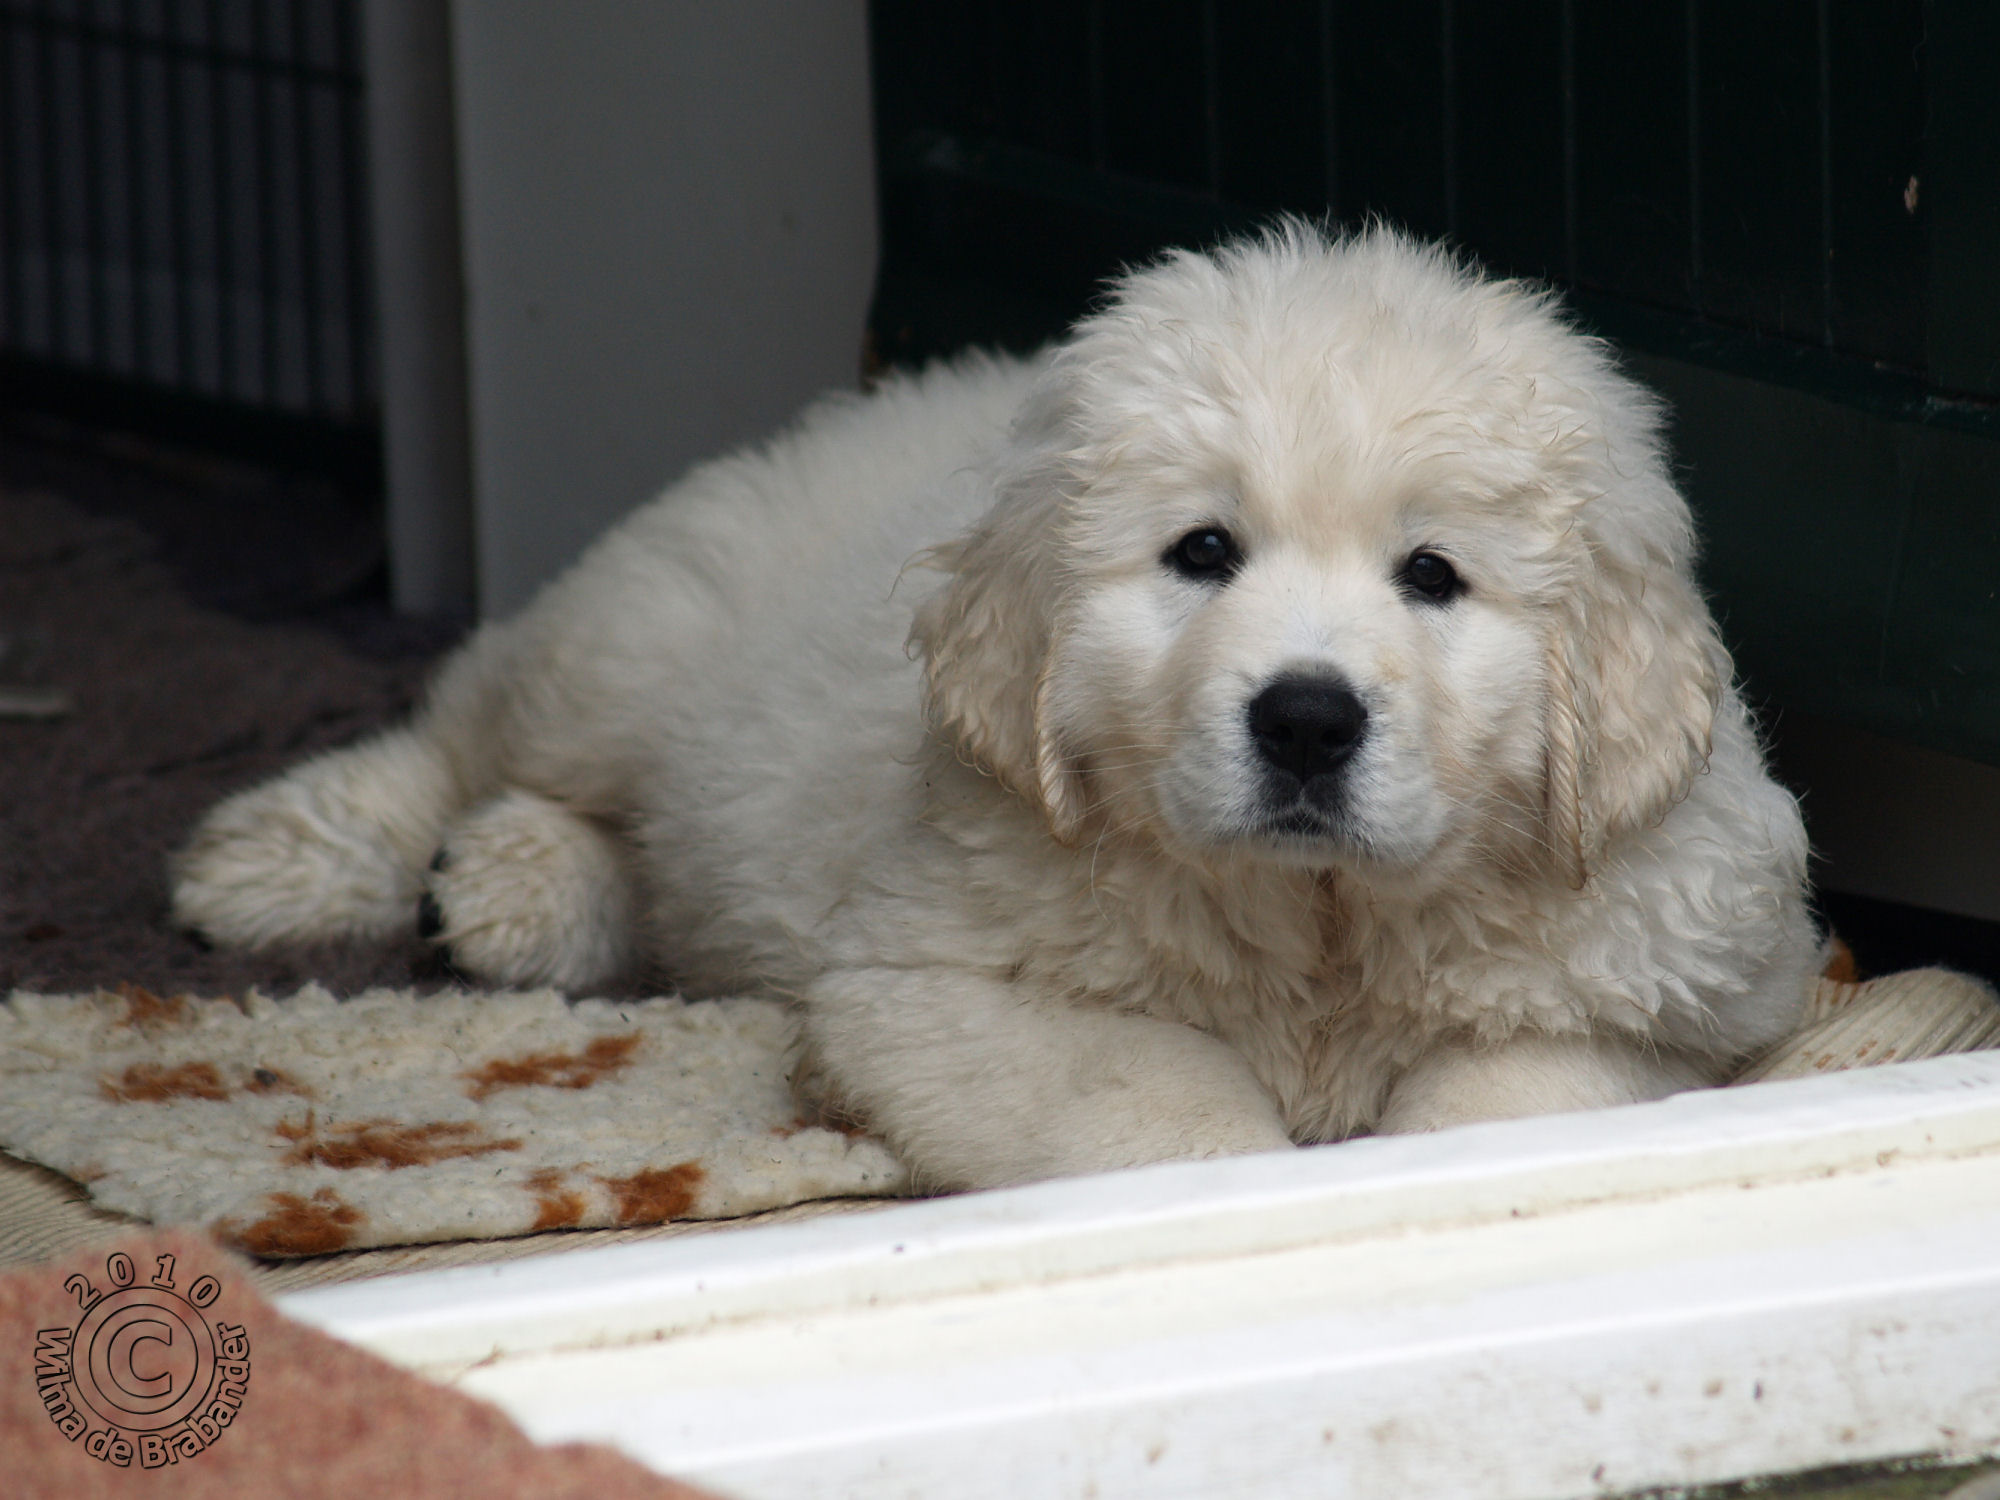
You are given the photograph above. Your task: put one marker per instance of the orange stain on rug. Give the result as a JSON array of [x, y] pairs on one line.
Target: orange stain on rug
[[145, 1010], [318, 1225], [556, 1070], [656, 1195], [385, 1143], [556, 1206], [1840, 965], [151, 1083]]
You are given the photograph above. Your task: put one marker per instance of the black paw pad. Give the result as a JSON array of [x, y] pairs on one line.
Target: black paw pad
[[430, 917]]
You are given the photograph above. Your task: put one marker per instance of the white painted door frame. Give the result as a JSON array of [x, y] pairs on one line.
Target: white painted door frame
[[1721, 1284]]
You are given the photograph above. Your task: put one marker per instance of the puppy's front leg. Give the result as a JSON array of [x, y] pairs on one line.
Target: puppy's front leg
[[1531, 1073], [978, 1083]]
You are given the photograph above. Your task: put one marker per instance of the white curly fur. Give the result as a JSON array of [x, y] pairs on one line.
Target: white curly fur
[[1015, 874]]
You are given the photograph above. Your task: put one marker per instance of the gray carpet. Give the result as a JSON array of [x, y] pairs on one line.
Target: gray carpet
[[175, 703]]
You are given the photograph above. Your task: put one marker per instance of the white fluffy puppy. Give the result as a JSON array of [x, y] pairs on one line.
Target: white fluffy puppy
[[1300, 720]]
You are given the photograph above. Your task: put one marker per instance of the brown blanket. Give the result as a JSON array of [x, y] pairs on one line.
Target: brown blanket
[[216, 1393]]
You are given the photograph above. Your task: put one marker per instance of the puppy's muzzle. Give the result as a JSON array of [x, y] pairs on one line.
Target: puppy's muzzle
[[1307, 725]]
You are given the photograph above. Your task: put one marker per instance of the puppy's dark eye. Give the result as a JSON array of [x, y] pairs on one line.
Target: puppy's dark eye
[[1208, 554], [1431, 577]]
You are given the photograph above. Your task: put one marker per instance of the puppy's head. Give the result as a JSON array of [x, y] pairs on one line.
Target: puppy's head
[[1335, 554]]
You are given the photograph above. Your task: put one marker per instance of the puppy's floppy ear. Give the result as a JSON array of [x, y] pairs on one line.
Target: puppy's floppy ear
[[986, 639], [1635, 673]]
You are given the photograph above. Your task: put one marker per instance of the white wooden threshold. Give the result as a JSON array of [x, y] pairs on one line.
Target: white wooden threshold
[[1717, 1285]]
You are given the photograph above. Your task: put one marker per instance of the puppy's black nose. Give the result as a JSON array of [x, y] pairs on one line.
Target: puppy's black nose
[[1307, 725]]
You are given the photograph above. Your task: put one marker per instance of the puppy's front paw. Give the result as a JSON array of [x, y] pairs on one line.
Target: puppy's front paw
[[525, 892]]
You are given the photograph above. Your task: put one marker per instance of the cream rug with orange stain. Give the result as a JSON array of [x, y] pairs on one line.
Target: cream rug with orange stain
[[308, 1125], [304, 1126]]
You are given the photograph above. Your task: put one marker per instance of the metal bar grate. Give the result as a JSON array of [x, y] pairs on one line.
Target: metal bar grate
[[181, 200]]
